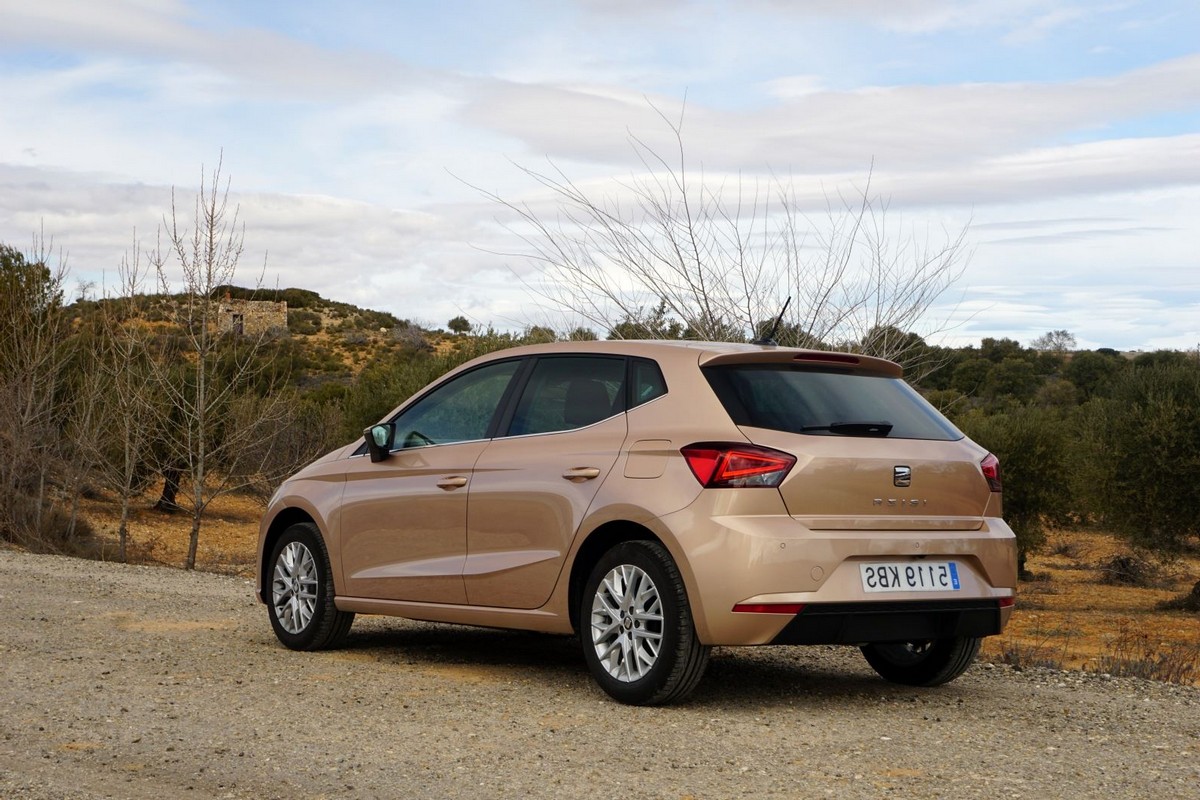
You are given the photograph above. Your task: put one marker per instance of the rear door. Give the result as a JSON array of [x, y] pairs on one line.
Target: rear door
[[532, 487]]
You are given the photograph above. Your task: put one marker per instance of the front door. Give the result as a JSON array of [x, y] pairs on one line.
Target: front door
[[404, 519]]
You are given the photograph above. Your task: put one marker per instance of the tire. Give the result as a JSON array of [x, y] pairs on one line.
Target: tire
[[636, 626], [927, 663], [300, 601]]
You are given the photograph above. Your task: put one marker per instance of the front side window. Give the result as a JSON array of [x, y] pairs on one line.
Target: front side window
[[796, 399], [458, 411], [568, 392]]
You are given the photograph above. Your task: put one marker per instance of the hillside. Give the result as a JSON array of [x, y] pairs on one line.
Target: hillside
[[324, 340]]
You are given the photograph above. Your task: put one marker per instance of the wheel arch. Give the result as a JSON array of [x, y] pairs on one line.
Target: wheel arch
[[599, 542], [285, 519]]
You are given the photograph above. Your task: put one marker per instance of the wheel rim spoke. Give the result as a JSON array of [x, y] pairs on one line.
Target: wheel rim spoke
[[627, 623], [294, 587]]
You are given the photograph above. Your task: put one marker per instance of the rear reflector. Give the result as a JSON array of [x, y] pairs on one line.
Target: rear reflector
[[727, 465], [768, 608], [1008, 602]]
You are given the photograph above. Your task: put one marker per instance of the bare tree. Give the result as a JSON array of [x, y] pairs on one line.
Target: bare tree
[[131, 406], [81, 424], [721, 256], [218, 392]]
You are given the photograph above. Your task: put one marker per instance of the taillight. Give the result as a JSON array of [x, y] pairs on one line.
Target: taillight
[[724, 465], [991, 471]]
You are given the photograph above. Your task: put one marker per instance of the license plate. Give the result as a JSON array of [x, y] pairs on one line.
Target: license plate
[[910, 576]]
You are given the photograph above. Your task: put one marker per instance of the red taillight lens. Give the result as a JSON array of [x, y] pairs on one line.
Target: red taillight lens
[[722, 465], [991, 471]]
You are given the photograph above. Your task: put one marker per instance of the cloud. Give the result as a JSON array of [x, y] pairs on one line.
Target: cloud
[[346, 147], [899, 126], [933, 16], [167, 32], [1119, 318], [1040, 26]]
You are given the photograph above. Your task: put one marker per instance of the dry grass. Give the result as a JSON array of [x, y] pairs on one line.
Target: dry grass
[[1072, 616], [1075, 616], [228, 537]]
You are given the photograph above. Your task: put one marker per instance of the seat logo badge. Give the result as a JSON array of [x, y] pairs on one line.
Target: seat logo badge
[[902, 476]]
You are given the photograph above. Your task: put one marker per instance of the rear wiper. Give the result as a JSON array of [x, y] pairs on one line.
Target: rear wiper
[[852, 428]]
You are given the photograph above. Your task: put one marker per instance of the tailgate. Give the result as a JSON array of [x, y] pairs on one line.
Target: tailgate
[[859, 483]]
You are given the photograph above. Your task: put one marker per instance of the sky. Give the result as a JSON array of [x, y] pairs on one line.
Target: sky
[[357, 137]]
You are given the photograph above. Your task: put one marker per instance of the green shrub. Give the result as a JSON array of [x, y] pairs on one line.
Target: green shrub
[[1142, 455], [300, 298], [1092, 371], [304, 322], [1032, 445]]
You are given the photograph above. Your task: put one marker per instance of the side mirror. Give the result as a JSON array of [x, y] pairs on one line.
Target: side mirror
[[379, 440]]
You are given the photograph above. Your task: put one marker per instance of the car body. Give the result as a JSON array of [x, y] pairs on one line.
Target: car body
[[658, 498]]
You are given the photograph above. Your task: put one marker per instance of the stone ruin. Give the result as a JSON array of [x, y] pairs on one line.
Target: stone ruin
[[251, 317]]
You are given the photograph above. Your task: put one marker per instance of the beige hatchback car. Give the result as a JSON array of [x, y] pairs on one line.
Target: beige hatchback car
[[656, 498]]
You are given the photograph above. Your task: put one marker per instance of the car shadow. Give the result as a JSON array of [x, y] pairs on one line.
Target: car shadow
[[740, 678]]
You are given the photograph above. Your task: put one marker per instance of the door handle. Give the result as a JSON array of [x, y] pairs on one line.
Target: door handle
[[453, 482], [581, 474]]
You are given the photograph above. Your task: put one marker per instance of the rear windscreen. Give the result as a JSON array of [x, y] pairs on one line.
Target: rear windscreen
[[826, 402]]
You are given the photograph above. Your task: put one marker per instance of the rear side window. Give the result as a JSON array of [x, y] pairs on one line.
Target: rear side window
[[567, 392], [648, 382], [785, 397]]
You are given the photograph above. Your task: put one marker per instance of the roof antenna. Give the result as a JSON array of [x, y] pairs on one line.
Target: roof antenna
[[769, 339]]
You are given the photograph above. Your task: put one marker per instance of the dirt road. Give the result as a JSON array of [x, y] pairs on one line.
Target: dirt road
[[140, 682]]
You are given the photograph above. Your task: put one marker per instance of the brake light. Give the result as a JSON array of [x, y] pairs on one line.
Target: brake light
[[991, 471], [723, 465], [829, 358], [1008, 602]]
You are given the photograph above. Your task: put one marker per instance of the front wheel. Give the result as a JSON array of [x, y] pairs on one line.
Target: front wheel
[[925, 663], [301, 601], [639, 639]]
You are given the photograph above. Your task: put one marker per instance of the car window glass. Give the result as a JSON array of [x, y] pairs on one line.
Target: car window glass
[[801, 400], [458, 411], [569, 392], [648, 382]]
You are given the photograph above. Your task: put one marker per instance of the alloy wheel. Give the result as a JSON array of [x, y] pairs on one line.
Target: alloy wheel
[[627, 623], [294, 588]]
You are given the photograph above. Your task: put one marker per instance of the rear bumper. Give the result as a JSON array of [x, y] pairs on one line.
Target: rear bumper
[[859, 623], [736, 548]]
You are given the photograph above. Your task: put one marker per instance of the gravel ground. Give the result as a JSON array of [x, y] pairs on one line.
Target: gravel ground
[[140, 682]]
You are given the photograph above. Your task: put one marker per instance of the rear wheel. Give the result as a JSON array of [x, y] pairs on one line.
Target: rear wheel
[[301, 592], [925, 663], [638, 636]]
